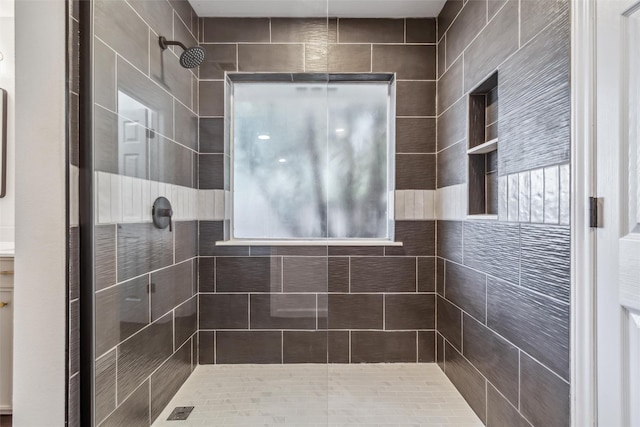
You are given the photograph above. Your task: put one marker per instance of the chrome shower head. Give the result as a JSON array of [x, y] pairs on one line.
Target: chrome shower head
[[192, 57]]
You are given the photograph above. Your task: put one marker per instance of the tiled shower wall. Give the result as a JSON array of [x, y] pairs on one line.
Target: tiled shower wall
[[319, 304], [503, 285], [145, 300]]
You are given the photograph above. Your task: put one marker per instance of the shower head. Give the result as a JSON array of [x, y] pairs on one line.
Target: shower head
[[192, 57]]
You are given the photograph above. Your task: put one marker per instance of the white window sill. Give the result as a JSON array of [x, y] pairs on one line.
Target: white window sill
[[243, 242]]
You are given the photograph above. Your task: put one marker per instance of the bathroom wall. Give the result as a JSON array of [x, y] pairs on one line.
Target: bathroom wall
[[7, 82], [145, 146], [504, 285], [352, 304]]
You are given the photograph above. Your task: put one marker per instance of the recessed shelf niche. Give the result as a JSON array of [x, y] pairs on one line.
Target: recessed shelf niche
[[483, 148]]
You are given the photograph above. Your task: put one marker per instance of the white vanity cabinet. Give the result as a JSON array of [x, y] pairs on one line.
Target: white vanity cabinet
[[6, 333]]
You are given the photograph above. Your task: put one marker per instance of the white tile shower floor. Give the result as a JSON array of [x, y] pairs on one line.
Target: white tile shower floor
[[321, 395]]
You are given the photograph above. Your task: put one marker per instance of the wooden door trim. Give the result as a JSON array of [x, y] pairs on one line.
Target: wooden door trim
[[583, 239]]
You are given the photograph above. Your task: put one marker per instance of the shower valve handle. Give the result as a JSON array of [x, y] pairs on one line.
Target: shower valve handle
[[162, 213]]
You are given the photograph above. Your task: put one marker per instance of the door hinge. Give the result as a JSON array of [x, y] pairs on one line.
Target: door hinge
[[595, 212]]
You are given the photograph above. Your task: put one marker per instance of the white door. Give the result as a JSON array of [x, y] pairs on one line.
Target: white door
[[618, 183]]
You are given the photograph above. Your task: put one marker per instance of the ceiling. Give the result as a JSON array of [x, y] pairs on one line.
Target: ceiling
[[318, 8]]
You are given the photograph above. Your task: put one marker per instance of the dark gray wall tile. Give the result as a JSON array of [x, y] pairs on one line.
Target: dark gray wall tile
[[305, 274], [205, 347], [404, 312], [449, 11], [186, 239], [388, 274], [138, 86], [538, 325], [105, 255], [105, 385], [120, 27], [306, 251], [426, 274], [186, 126], [171, 163], [426, 346], [305, 30], [378, 347], [409, 62], [500, 412], [283, 311], [415, 171], [206, 274], [450, 86], [440, 344], [465, 28], [159, 16], [493, 248], [546, 260], [186, 321], [120, 312], [171, 287], [493, 356], [450, 322], [211, 171], [133, 412], [338, 346], [442, 64], [254, 274], [271, 57], [211, 232], [74, 337], [186, 14], [549, 408], [304, 347], [415, 98], [143, 353], [355, 311], [421, 30], [338, 58], [536, 15], [452, 125], [541, 101], [417, 237], [415, 135], [469, 382], [338, 274], [440, 273], [356, 250], [371, 31], [224, 311], [248, 347], [212, 136], [218, 59], [104, 76], [211, 99], [224, 30], [168, 379], [452, 165], [493, 7], [450, 241], [74, 263], [467, 289], [494, 44]]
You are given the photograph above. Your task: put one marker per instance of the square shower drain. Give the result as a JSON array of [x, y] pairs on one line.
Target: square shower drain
[[181, 413]]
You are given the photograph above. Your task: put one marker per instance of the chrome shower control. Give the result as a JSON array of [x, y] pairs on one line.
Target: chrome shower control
[[162, 213]]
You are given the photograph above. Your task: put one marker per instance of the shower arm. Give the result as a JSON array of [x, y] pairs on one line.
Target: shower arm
[[164, 43]]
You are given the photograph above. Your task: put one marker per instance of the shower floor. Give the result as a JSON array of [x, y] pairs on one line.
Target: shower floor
[[321, 395]]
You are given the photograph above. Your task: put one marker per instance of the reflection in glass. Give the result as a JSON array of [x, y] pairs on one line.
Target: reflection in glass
[[135, 121], [310, 160]]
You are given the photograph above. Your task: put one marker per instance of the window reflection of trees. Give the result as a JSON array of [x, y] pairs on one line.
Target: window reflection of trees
[[322, 172]]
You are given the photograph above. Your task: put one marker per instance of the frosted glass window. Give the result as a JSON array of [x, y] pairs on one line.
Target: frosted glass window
[[311, 160]]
